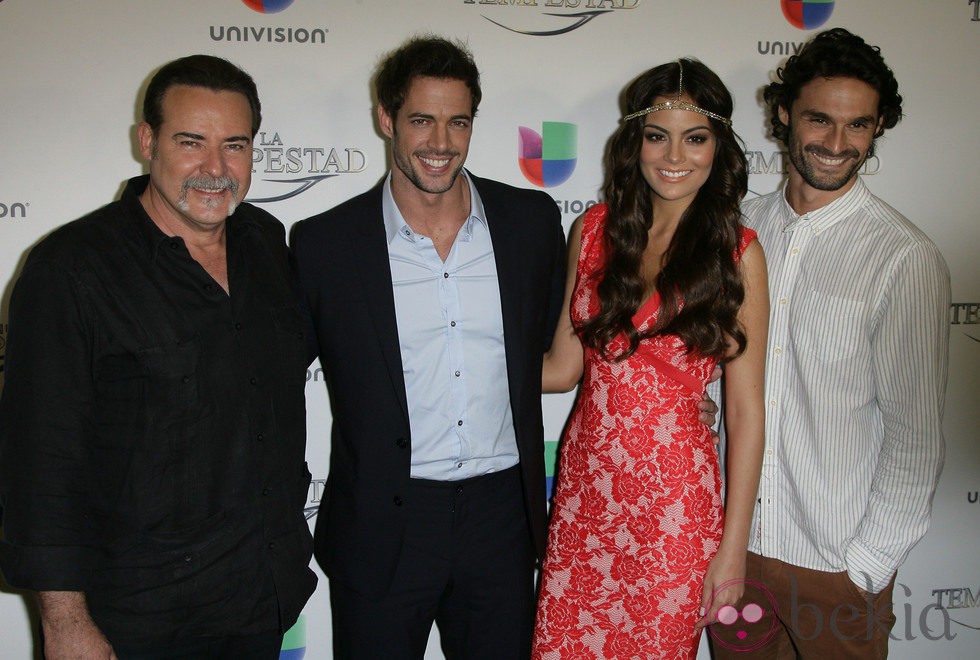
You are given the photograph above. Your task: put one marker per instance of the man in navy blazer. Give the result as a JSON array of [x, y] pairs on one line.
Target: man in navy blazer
[[433, 297]]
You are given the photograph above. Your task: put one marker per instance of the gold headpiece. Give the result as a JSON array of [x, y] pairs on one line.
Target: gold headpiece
[[678, 104]]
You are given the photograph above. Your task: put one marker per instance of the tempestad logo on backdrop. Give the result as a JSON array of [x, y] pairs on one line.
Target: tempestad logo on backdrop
[[807, 14], [271, 34], [288, 170], [545, 22]]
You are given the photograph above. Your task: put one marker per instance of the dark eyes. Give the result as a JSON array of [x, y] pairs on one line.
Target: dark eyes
[[696, 138]]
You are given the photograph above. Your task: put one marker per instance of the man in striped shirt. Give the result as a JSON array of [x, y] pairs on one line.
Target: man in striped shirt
[[855, 377]]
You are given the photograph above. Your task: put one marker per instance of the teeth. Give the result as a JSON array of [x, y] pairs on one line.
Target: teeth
[[832, 162], [434, 162], [674, 175]]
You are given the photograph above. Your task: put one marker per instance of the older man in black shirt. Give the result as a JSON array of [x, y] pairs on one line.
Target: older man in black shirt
[[152, 424]]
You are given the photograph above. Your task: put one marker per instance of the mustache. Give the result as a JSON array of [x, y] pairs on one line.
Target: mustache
[[817, 150], [212, 183]]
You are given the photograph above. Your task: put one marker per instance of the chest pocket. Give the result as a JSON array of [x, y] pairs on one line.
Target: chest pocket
[[828, 327], [139, 394]]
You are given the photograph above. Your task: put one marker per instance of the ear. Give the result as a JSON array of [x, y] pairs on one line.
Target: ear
[[386, 121], [783, 115], [145, 135], [880, 129]]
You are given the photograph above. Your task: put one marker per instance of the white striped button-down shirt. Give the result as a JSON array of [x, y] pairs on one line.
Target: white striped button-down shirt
[[855, 382]]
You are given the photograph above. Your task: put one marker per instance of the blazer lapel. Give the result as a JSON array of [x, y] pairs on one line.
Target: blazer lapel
[[506, 255], [370, 247]]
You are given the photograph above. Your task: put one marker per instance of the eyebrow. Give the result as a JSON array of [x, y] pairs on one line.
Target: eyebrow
[[425, 115], [685, 132], [816, 114], [197, 136]]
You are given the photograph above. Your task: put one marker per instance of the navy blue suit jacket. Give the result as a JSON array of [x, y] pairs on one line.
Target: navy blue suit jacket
[[342, 261]]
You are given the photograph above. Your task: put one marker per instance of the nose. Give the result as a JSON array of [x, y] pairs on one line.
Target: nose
[[214, 162], [439, 137], [836, 140], [675, 151]]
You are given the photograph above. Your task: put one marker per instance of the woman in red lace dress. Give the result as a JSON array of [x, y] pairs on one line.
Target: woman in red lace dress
[[664, 282]]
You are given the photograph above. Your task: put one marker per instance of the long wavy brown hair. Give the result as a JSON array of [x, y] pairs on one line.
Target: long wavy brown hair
[[699, 284]]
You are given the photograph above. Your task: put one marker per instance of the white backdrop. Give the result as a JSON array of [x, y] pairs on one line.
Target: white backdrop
[[72, 78]]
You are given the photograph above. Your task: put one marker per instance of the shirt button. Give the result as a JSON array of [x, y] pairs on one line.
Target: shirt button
[[459, 422], [782, 301], [401, 442], [445, 275], [188, 558], [772, 402], [459, 465], [452, 323], [260, 437], [185, 379], [238, 326], [272, 545], [253, 381], [266, 490], [397, 500], [795, 250], [457, 373], [768, 452], [777, 350]]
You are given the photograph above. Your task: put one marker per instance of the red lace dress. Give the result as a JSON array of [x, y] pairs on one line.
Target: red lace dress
[[637, 513]]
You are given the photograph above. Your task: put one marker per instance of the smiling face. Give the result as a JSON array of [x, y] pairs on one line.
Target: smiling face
[[430, 136], [677, 153], [200, 159], [832, 125]]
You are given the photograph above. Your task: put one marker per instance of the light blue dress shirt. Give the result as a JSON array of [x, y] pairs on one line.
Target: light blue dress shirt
[[451, 337]]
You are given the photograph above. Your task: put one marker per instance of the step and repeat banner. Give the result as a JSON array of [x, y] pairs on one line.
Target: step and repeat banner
[[71, 83]]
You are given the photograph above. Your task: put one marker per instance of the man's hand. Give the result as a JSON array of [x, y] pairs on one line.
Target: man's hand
[[708, 408], [69, 632]]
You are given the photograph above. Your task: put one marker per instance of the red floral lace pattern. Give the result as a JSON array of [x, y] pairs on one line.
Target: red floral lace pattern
[[637, 514]]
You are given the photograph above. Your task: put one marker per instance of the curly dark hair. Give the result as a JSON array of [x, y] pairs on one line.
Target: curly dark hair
[[700, 287], [427, 56], [206, 71], [834, 53]]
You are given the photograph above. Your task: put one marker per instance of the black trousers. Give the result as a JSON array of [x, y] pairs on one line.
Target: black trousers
[[467, 564], [263, 646]]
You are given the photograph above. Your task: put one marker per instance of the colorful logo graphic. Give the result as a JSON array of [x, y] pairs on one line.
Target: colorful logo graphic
[[547, 159], [750, 627], [807, 14], [268, 6], [294, 641]]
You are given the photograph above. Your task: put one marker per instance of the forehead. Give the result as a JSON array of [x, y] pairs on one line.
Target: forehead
[[428, 95], [844, 96], [676, 118], [189, 105]]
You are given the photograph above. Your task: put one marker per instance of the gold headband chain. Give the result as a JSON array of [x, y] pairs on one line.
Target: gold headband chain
[[678, 104]]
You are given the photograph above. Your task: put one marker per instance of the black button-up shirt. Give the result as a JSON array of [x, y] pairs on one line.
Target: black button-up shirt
[[152, 428]]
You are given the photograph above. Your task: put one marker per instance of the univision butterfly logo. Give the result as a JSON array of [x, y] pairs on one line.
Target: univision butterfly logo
[[294, 641], [547, 158], [268, 6], [807, 14]]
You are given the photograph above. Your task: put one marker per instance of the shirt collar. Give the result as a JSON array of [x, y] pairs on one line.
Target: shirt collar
[[147, 232], [395, 223], [825, 217]]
